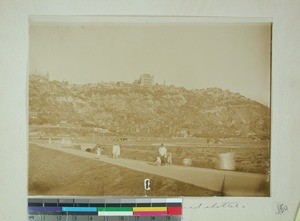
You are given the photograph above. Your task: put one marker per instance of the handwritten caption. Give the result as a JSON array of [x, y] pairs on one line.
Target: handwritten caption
[[281, 209], [223, 205]]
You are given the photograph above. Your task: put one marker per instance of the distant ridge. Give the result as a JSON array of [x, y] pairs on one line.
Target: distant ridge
[[130, 109]]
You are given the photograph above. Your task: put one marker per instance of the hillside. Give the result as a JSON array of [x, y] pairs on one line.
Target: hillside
[[125, 109]]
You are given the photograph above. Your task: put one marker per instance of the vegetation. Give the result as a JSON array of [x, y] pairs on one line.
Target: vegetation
[[133, 110]]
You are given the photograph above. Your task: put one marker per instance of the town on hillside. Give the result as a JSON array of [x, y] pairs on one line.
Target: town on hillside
[[143, 108]]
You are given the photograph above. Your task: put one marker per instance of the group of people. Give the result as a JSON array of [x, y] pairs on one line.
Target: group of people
[[116, 151], [163, 158]]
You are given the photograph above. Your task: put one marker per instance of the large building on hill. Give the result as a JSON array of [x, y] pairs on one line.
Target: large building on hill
[[146, 80]]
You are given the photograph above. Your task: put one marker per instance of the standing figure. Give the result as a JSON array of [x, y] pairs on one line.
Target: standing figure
[[98, 152], [116, 151], [163, 154], [158, 161], [169, 158]]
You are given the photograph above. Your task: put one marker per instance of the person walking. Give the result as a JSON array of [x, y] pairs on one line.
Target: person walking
[[116, 151], [98, 152], [169, 159], [163, 154]]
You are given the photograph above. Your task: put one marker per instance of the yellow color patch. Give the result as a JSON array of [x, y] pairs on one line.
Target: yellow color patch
[[149, 209]]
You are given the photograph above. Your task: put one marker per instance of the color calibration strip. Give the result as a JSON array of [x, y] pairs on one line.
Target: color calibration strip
[[107, 207]]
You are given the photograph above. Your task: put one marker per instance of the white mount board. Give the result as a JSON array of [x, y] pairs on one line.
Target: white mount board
[[285, 183]]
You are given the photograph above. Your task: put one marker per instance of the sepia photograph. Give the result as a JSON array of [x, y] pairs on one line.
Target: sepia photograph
[[149, 107]]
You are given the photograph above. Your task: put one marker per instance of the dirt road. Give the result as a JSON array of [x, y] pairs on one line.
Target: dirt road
[[228, 182]]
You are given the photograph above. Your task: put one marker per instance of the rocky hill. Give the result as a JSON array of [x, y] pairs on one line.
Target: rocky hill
[[130, 109]]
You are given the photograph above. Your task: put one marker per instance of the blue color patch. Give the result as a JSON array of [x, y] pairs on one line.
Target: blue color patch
[[79, 209]]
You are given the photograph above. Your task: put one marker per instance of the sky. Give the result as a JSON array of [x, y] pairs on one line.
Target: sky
[[233, 56]]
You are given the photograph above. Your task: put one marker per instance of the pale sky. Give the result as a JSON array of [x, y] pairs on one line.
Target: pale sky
[[225, 55]]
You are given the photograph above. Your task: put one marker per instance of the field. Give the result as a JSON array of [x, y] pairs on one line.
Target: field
[[250, 155], [52, 172], [252, 159], [55, 173]]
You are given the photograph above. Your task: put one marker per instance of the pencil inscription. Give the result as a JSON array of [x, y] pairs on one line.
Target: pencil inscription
[[222, 205]]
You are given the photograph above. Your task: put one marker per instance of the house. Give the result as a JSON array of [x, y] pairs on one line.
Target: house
[[33, 115], [120, 83], [183, 133], [147, 80], [63, 123]]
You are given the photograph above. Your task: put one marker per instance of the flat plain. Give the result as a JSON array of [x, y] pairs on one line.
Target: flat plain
[[52, 172]]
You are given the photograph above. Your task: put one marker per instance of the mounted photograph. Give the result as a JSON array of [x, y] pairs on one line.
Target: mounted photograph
[[149, 106]]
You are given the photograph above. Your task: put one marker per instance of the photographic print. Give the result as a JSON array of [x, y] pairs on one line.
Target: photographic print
[[149, 107]]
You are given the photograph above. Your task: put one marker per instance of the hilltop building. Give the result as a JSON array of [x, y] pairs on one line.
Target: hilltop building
[[145, 80]]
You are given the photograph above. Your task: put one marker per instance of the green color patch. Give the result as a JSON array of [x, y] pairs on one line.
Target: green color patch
[[115, 209]]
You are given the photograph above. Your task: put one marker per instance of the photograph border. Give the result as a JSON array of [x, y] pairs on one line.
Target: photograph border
[[155, 20], [284, 66]]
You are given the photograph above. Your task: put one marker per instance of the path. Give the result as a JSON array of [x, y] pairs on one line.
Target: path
[[234, 183]]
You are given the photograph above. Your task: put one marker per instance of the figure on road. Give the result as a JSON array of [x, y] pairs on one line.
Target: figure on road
[[169, 159], [116, 151], [163, 154], [158, 161], [98, 152]]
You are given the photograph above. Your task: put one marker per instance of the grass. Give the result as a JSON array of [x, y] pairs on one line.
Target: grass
[[52, 172]]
